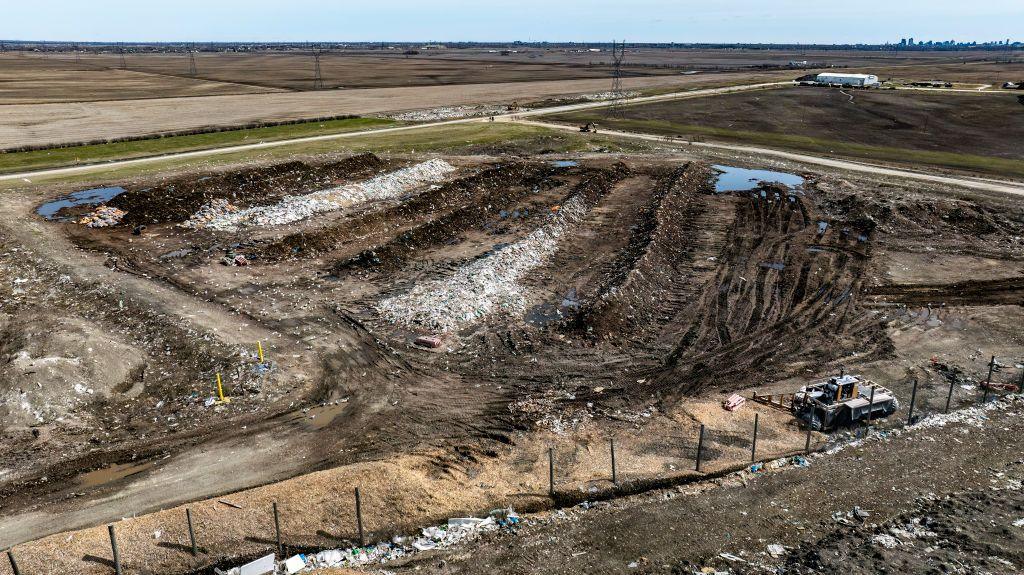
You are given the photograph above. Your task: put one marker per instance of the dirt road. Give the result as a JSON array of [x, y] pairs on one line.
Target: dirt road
[[261, 145], [60, 123], [981, 184]]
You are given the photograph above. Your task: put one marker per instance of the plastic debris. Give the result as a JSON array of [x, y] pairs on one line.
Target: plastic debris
[[487, 284], [294, 208], [885, 540], [294, 564], [103, 217], [776, 550]]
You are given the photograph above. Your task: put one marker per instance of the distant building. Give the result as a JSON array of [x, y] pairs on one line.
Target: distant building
[[857, 80]]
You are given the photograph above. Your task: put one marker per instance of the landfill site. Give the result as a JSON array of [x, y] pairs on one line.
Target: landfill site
[[520, 337]]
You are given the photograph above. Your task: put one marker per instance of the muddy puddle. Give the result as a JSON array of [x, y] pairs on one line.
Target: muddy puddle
[[113, 473], [733, 179], [84, 198], [320, 416], [564, 163]]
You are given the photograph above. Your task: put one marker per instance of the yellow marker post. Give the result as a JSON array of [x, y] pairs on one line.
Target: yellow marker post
[[220, 391], [259, 349]]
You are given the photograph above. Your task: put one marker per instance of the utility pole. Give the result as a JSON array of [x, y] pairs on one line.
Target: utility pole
[[191, 59], [618, 55], [318, 79]]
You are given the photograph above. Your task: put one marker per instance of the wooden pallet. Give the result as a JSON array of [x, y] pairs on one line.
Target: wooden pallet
[[782, 402]]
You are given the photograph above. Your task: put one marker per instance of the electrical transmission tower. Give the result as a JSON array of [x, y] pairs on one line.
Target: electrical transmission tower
[[191, 59], [618, 54], [120, 51], [318, 79]]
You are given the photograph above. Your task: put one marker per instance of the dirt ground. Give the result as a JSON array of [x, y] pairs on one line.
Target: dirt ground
[[986, 125], [38, 124], [656, 298], [241, 72], [30, 79]]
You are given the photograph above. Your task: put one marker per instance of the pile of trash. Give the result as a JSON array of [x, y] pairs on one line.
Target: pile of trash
[[448, 113], [601, 96], [485, 285], [213, 210], [103, 217], [294, 208], [457, 530]]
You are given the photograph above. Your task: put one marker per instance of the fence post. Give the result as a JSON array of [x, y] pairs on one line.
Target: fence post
[[913, 398], [988, 380], [277, 531], [191, 532], [551, 471], [615, 475], [14, 564], [359, 518], [807, 442], [871, 405], [117, 553], [700, 446], [753, 442]]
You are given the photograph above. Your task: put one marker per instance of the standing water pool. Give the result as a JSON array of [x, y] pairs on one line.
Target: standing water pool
[[92, 197], [732, 179]]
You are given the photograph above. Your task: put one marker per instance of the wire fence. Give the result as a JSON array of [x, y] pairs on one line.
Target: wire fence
[[709, 453]]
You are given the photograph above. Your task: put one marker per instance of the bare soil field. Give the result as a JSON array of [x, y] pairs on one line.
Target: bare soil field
[[609, 296], [35, 79], [295, 71], [722, 58], [40, 124], [864, 123]]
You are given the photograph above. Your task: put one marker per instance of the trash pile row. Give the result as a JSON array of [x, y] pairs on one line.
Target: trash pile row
[[448, 113], [457, 530], [485, 285], [103, 217], [294, 208], [601, 96], [213, 210]]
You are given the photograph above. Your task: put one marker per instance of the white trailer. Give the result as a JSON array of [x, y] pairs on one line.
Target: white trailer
[[856, 80]]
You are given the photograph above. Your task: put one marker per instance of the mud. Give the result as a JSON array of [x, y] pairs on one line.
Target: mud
[[665, 292]]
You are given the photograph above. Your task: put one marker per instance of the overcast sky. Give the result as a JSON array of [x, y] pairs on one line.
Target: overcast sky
[[821, 21]]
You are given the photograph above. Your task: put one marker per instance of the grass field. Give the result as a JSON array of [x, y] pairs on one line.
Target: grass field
[[474, 138], [966, 132], [60, 157]]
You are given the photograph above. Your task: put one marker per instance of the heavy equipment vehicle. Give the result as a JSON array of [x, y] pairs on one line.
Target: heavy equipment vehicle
[[842, 401]]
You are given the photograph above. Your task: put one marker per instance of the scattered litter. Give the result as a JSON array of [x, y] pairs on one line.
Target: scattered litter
[[213, 210], [886, 540], [448, 113], [1018, 523], [776, 550], [457, 530], [486, 284], [103, 217], [294, 208], [294, 564]]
